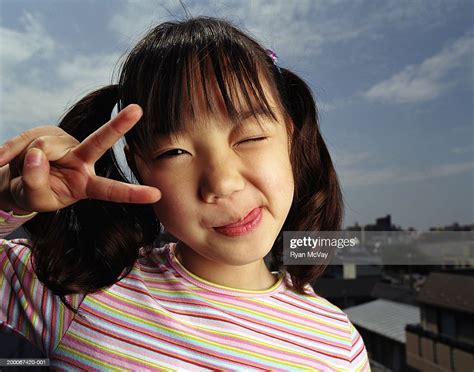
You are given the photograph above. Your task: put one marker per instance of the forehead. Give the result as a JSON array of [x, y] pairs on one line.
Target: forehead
[[234, 101], [244, 104]]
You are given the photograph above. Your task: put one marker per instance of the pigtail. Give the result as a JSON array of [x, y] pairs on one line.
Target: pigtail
[[318, 202], [91, 244]]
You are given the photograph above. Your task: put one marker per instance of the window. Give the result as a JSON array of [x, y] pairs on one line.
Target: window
[[429, 319], [447, 324], [464, 327]]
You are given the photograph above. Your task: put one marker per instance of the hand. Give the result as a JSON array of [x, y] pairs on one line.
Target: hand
[[53, 170]]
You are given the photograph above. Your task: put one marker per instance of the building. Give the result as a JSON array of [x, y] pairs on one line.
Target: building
[[394, 292], [381, 324], [346, 292], [348, 285], [444, 338]]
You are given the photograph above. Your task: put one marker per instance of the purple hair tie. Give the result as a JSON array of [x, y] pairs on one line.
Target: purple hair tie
[[274, 58], [272, 55]]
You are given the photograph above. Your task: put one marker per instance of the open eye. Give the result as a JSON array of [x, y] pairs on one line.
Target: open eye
[[170, 154]]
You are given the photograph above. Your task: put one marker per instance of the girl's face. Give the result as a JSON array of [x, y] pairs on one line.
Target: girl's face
[[217, 173]]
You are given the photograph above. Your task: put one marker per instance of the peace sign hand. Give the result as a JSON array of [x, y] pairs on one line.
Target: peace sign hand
[[54, 170]]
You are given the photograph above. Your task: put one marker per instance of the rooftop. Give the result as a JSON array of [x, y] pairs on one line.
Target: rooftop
[[449, 290], [386, 318]]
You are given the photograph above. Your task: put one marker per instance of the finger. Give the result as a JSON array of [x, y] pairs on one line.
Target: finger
[[16, 145], [34, 188], [120, 192], [54, 147], [97, 143]]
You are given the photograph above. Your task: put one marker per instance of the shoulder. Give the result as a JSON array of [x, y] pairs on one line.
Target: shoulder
[[153, 266], [357, 357], [313, 300]]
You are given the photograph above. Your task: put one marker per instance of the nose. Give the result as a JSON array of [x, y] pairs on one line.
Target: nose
[[220, 179]]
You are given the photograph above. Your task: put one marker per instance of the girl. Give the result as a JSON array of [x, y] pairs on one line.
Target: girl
[[227, 150]]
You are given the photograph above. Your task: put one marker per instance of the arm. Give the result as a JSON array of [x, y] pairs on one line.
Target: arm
[[27, 307]]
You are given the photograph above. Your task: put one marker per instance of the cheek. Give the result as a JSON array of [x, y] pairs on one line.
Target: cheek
[[172, 211], [174, 204], [275, 175]]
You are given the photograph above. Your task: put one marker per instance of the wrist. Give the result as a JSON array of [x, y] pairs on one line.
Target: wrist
[[7, 202]]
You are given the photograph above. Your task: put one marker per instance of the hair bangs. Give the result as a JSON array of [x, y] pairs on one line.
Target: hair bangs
[[230, 86], [187, 82]]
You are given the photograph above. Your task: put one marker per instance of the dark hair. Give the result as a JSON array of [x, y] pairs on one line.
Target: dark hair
[[92, 244]]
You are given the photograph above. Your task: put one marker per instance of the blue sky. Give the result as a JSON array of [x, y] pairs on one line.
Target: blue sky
[[393, 81]]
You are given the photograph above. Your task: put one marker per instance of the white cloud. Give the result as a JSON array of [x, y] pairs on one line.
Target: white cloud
[[345, 159], [444, 170], [297, 30], [83, 72], [427, 80], [30, 103], [463, 149], [324, 107], [18, 46], [41, 79], [263, 19], [351, 177]]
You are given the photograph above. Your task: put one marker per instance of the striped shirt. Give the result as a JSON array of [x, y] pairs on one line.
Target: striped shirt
[[163, 317]]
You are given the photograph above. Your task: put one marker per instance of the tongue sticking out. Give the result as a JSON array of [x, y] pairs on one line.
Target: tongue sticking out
[[247, 224]]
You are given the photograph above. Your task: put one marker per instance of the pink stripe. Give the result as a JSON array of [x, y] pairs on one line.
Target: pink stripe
[[259, 307], [72, 361], [281, 313], [161, 284], [82, 349], [55, 326], [311, 306], [170, 340], [204, 319], [270, 327], [251, 321], [209, 335], [276, 352], [271, 335]]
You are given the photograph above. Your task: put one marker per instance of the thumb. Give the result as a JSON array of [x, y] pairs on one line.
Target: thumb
[[35, 190]]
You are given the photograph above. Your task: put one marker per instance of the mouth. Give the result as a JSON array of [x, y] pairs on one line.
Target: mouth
[[244, 226]]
